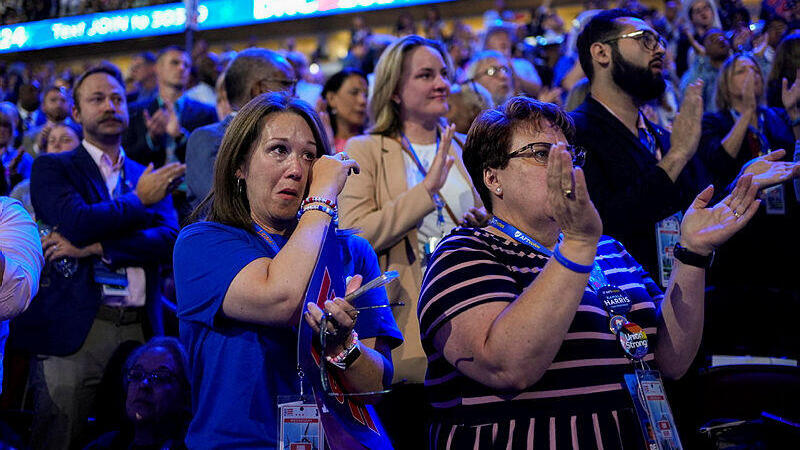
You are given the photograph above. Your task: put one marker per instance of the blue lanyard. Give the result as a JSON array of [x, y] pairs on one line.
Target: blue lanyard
[[597, 278], [417, 161], [267, 238]]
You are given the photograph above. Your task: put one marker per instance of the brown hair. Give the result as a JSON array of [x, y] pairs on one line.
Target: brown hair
[[726, 73], [226, 203], [489, 139], [787, 58], [102, 68]]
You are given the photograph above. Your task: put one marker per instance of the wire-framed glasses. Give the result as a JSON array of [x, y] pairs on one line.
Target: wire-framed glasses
[[647, 38], [330, 385], [538, 152]]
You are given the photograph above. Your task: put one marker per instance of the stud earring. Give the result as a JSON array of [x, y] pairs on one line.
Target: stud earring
[[498, 190]]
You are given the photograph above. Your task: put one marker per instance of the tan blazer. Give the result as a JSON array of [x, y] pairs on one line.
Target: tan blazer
[[379, 204]]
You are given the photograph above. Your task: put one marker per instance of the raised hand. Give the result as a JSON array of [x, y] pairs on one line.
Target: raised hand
[[569, 199], [749, 95], [329, 174], [768, 170], [152, 185], [790, 95], [704, 229], [686, 128], [442, 162], [156, 124], [172, 125]]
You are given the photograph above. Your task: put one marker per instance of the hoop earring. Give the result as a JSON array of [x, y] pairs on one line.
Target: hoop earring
[[240, 186]]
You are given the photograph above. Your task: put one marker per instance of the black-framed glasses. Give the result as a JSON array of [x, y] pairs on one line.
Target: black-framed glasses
[[538, 152], [158, 377], [647, 38], [330, 385]]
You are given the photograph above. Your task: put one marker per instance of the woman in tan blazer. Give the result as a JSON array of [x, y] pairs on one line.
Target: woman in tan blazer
[[406, 198]]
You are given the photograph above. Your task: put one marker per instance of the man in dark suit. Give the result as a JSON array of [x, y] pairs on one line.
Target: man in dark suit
[[160, 126], [254, 71], [111, 229], [636, 175]]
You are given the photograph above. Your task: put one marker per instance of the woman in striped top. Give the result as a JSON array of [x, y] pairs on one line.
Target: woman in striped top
[[520, 354]]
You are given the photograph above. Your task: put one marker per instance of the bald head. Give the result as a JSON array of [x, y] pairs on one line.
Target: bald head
[[255, 71]]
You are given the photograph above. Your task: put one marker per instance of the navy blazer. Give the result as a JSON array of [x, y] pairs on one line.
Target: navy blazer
[[201, 153], [629, 190], [724, 168], [68, 192], [194, 115], [771, 237]]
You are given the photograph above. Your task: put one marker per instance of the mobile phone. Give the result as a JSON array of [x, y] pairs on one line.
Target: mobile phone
[[382, 280]]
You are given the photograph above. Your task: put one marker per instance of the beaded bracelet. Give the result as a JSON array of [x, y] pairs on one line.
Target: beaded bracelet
[[326, 201], [571, 265], [338, 360], [319, 207]]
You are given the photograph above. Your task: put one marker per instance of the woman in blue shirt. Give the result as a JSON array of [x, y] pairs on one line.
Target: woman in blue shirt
[[242, 274]]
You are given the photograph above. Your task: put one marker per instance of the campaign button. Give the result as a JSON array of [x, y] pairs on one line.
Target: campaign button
[[615, 301], [633, 341], [616, 323]]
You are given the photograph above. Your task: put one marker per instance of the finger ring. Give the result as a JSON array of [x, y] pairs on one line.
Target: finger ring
[[736, 214], [344, 156], [568, 193], [170, 180]]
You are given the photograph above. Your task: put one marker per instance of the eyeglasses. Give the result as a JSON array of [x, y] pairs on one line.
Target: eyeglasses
[[494, 71], [158, 377], [540, 151], [288, 84], [647, 38], [330, 385]]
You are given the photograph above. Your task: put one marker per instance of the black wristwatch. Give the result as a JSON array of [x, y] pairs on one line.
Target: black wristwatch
[[691, 258]]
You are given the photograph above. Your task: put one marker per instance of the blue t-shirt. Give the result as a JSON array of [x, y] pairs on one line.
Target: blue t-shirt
[[239, 369]]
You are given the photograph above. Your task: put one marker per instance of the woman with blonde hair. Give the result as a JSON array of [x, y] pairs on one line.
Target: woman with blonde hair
[[746, 133], [412, 190]]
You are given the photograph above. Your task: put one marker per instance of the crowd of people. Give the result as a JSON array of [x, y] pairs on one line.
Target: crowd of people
[[18, 11], [538, 191]]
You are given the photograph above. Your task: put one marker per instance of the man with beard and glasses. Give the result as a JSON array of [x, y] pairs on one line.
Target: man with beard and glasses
[[637, 176], [111, 227]]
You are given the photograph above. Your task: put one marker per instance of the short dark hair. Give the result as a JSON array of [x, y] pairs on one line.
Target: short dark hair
[[601, 27], [169, 48], [335, 83], [105, 68], [148, 57], [245, 68], [225, 204], [489, 138]]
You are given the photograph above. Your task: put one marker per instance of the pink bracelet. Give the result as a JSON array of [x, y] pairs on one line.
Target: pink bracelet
[[338, 359]]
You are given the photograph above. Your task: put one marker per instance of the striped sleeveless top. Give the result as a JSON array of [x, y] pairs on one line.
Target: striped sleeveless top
[[580, 401]]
